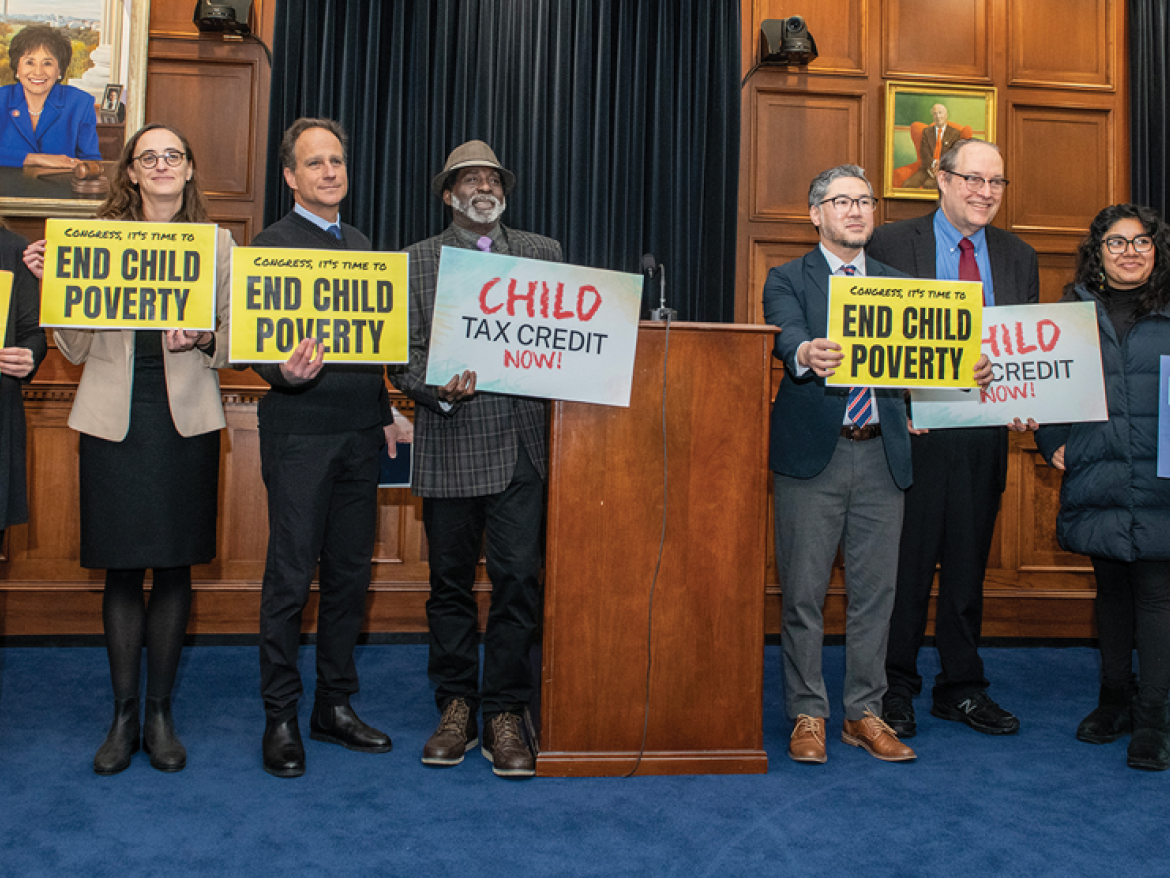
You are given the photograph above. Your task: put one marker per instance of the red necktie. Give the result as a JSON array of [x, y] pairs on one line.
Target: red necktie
[[968, 267]]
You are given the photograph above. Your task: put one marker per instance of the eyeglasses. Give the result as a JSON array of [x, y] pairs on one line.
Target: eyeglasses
[[975, 183], [149, 159], [843, 203], [1117, 245]]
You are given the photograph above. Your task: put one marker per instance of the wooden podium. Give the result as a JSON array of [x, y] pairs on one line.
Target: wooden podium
[[702, 675]]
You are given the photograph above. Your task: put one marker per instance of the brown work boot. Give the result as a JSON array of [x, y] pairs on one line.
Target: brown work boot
[[457, 733], [876, 738], [505, 747], [808, 739]]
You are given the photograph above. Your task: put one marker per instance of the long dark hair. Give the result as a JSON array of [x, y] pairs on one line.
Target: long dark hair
[[125, 201], [1090, 273]]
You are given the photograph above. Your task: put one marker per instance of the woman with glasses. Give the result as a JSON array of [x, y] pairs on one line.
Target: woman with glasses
[[149, 413], [1113, 506]]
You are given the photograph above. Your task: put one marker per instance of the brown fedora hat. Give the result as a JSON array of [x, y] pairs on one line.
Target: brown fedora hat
[[473, 154]]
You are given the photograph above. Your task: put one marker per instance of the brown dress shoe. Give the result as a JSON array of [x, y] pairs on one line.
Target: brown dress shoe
[[505, 747], [457, 733], [877, 738], [808, 739]]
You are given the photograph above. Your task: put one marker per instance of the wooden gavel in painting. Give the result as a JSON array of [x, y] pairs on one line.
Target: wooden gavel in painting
[[88, 178]]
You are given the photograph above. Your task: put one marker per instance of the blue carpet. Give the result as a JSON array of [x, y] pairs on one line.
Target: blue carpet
[[1039, 803]]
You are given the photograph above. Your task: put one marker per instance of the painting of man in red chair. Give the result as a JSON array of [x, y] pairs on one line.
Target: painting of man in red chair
[[932, 142], [915, 146]]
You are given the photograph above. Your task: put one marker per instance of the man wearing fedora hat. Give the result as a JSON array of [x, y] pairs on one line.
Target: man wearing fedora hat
[[480, 464]]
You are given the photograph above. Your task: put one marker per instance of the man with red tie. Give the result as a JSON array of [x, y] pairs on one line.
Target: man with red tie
[[959, 474]]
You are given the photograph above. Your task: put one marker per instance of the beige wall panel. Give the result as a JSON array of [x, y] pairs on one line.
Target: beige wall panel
[[1063, 43], [795, 136], [1056, 270], [937, 40], [195, 97], [1062, 163], [838, 26], [1039, 548], [767, 254]]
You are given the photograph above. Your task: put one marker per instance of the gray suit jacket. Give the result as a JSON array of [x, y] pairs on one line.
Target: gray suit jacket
[[470, 450]]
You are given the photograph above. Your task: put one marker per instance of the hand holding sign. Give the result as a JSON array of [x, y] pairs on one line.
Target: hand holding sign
[[458, 388], [820, 355], [303, 366], [34, 258], [179, 340], [16, 362], [983, 371]]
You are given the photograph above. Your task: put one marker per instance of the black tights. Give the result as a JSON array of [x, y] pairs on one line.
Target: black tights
[[1133, 606], [130, 624]]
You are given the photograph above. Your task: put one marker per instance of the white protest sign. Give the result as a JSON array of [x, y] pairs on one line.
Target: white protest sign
[[1046, 363], [533, 328]]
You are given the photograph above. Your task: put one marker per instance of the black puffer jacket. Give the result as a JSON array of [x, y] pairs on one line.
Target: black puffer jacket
[[1112, 503]]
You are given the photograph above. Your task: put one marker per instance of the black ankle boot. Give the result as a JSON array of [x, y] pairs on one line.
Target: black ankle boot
[[1112, 717], [159, 740], [1149, 749], [122, 740]]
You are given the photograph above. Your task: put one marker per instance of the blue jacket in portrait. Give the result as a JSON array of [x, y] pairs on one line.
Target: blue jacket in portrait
[[68, 125]]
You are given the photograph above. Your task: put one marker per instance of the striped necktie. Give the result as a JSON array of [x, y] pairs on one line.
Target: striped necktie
[[859, 406]]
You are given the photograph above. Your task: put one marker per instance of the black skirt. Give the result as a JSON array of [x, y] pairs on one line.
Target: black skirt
[[151, 499]]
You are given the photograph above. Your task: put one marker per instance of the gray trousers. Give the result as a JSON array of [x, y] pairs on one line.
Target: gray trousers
[[853, 503]]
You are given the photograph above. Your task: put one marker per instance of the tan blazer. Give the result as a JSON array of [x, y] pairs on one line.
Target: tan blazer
[[102, 405]]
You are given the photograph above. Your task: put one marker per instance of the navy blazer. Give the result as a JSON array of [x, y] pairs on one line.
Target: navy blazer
[[68, 125], [807, 416]]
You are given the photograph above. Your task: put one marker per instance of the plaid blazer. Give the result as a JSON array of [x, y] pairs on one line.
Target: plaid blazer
[[471, 450]]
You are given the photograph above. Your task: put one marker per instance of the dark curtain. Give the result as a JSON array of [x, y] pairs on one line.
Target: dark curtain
[[1149, 84], [620, 119]]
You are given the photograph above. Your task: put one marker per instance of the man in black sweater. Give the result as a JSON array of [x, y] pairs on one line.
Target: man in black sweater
[[321, 432]]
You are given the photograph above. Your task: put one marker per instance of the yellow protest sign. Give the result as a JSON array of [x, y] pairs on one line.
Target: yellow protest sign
[[354, 303], [125, 275], [5, 301], [899, 332]]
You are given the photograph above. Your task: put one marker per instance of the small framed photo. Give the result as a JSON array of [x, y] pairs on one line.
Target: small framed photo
[[112, 109], [922, 122]]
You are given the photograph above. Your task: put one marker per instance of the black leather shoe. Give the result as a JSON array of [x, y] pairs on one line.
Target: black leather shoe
[[284, 754], [159, 740], [1149, 749], [121, 741], [898, 714], [457, 733], [505, 747], [1112, 718], [979, 712], [338, 724]]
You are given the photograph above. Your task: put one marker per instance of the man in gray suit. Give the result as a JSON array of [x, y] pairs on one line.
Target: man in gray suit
[[841, 460], [480, 463]]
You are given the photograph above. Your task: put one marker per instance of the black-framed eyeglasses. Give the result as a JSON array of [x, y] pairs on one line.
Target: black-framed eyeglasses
[[843, 203], [975, 183], [1117, 245], [172, 157]]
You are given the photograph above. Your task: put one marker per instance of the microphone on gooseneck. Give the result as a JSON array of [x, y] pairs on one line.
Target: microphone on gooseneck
[[651, 267]]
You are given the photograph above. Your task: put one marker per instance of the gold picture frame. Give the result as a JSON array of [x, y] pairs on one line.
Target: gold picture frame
[[910, 132], [129, 24]]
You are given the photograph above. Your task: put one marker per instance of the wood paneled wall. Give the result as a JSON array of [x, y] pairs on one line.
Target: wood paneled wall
[[1059, 67]]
